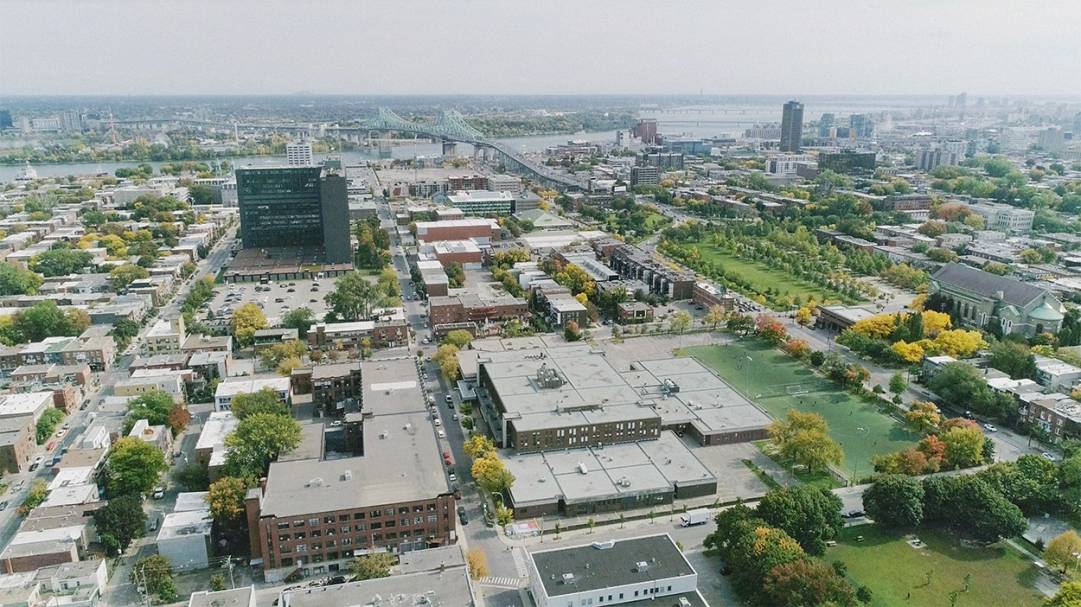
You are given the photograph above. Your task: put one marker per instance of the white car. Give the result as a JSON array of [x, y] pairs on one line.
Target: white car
[[990, 428], [438, 422], [452, 477], [441, 434], [1049, 457]]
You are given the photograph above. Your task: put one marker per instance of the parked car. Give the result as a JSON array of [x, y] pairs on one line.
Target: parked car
[[1049, 456], [453, 477], [159, 493], [990, 428], [461, 515], [449, 399], [441, 433]]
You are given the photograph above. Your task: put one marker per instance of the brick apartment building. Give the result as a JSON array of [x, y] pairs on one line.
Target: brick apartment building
[[17, 443], [468, 307], [707, 295], [329, 385], [349, 335], [632, 262], [457, 229]]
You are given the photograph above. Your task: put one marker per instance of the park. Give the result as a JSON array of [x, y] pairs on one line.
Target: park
[[777, 383], [930, 566]]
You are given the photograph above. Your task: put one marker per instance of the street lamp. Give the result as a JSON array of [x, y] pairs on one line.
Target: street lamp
[[747, 375]]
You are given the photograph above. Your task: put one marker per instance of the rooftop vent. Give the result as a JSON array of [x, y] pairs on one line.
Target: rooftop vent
[[641, 566], [568, 578], [315, 482], [347, 475], [604, 545], [582, 468]]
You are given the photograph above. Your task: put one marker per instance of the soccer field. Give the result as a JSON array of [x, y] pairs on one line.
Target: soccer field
[[776, 383]]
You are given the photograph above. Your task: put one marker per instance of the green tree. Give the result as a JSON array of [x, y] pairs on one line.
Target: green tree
[[353, 297], [42, 320], [39, 490], [153, 406], [1068, 595], [1013, 358], [459, 338], [1062, 552], [973, 508], [262, 401], [217, 582], [17, 281], [157, 574], [964, 446], [491, 475], [300, 319], [803, 439], [1031, 483], [805, 582], [898, 384], [811, 515], [895, 501], [446, 356], [123, 275], [257, 441], [225, 498], [133, 467], [371, 566], [49, 420], [120, 521], [124, 330], [680, 322], [60, 261]]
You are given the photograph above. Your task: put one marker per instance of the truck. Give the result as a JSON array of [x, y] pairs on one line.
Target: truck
[[694, 517]]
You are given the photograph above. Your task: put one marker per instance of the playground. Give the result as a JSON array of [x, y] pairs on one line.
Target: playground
[[777, 384]]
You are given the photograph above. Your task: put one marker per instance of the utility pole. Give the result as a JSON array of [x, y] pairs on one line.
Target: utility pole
[[229, 565], [140, 584]]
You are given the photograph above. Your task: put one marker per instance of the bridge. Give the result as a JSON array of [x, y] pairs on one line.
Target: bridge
[[450, 127]]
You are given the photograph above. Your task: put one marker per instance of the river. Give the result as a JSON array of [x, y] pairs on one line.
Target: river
[[533, 143]]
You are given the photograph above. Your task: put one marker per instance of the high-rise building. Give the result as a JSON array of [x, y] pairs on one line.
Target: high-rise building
[[792, 127], [6, 123], [299, 153], [1076, 124], [1051, 140], [646, 130], [862, 126], [825, 123], [71, 121], [295, 207], [930, 159]]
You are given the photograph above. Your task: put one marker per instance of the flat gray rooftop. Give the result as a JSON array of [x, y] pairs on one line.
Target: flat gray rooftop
[[449, 588], [593, 568], [612, 471]]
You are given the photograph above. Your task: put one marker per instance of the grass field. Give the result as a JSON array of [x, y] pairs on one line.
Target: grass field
[[761, 276], [861, 429], [899, 574]]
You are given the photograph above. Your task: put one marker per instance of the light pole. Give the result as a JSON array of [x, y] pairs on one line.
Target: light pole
[[747, 375]]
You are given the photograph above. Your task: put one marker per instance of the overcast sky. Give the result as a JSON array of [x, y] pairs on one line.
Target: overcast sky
[[783, 47]]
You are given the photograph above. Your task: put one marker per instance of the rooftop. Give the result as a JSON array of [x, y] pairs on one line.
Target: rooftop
[[987, 284], [449, 588], [607, 565], [237, 597]]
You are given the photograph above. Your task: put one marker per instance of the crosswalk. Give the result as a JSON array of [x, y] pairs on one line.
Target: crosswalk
[[511, 583]]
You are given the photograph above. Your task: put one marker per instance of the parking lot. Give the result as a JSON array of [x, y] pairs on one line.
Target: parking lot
[[275, 298]]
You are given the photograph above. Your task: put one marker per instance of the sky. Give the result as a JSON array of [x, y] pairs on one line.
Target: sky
[[723, 47]]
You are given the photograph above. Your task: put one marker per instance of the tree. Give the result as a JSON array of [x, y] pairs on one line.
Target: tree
[[1068, 595], [153, 406], [714, 317], [459, 338], [805, 315], [771, 329], [17, 281], [1013, 358], [959, 343], [1031, 483], [804, 582], [123, 275], [156, 573], [133, 467], [275, 354], [41, 320], [571, 332], [300, 319], [811, 515], [923, 417], [124, 330], [478, 445], [247, 319], [217, 582], [803, 439], [797, 348], [225, 498], [60, 261], [371, 566], [576, 279], [120, 521], [504, 516], [740, 324], [964, 447], [446, 356], [265, 400], [971, 507], [477, 562], [680, 322], [491, 475], [353, 297], [49, 420], [39, 490], [895, 501], [257, 441], [1062, 552], [898, 384]]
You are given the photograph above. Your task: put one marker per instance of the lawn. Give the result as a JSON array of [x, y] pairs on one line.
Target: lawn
[[862, 430], [899, 574], [762, 277]]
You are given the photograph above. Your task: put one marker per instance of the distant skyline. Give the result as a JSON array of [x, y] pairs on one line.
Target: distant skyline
[[827, 47]]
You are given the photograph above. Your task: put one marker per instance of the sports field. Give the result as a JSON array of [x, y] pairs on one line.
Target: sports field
[[762, 277], [899, 573], [776, 383]]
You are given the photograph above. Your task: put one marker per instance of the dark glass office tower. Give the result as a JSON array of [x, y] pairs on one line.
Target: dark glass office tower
[[792, 127], [296, 206]]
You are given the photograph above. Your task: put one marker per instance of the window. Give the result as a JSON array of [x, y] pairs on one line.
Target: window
[[298, 523], [374, 514], [302, 547], [403, 510], [342, 518], [388, 512], [362, 526], [346, 529], [377, 525], [358, 516], [283, 538], [431, 518], [377, 537], [299, 536], [391, 523], [314, 522], [283, 525], [328, 520], [346, 541], [404, 522], [316, 533]]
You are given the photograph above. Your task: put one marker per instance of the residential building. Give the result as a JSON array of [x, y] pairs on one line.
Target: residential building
[[633, 312], [25, 403], [646, 130], [1056, 415], [230, 388], [457, 229], [184, 539], [236, 597], [210, 448], [708, 296], [1054, 374], [330, 385], [979, 298], [930, 159], [165, 336], [1003, 217], [444, 584], [17, 443], [847, 161], [381, 333], [295, 207], [645, 175], [614, 572], [792, 127], [635, 263], [470, 307]]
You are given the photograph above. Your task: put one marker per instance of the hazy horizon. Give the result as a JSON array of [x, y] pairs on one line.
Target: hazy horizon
[[561, 47]]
